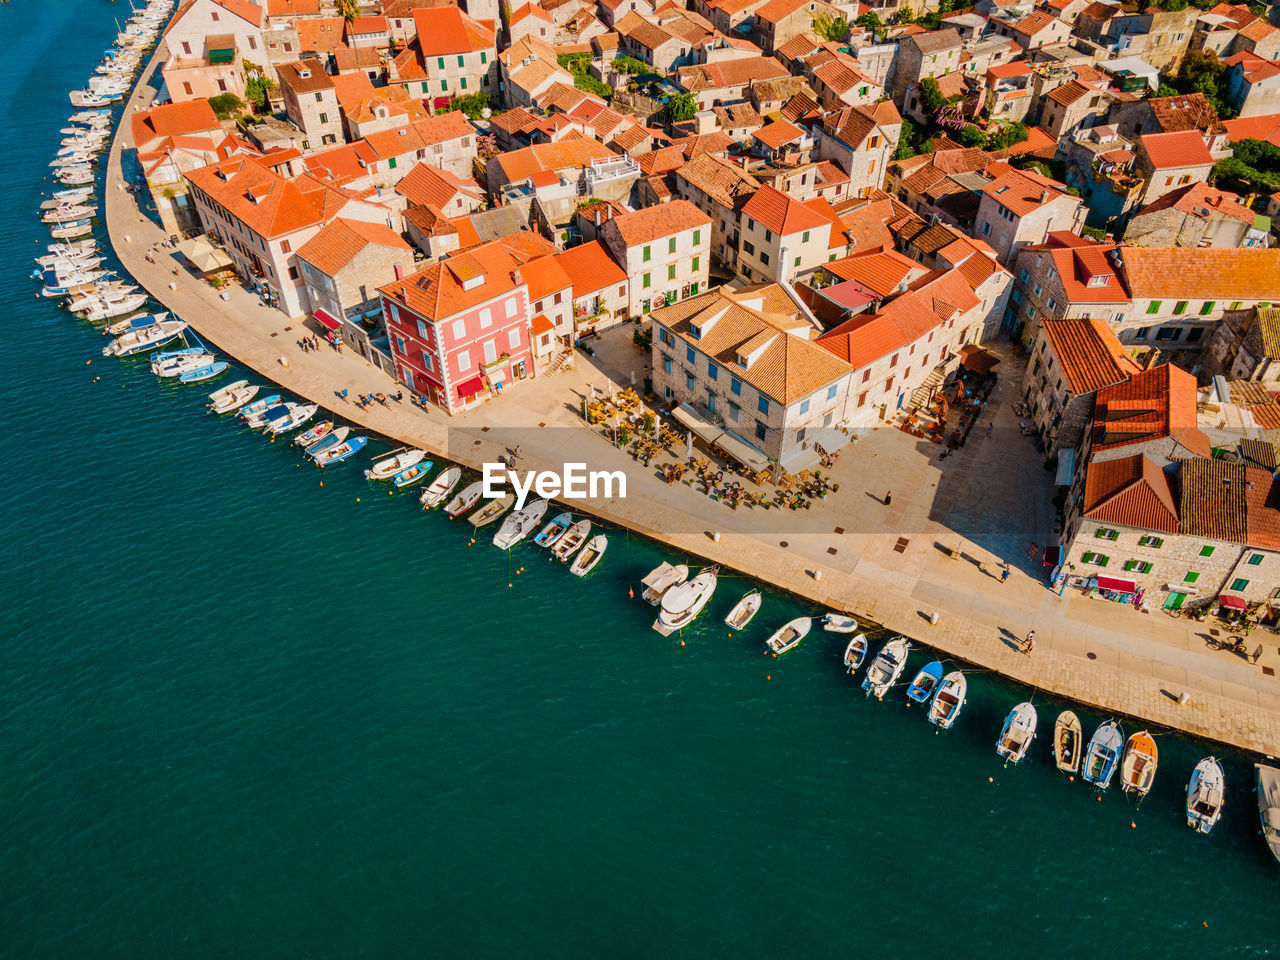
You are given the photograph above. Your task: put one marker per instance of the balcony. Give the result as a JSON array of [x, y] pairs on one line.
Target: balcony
[[602, 171]]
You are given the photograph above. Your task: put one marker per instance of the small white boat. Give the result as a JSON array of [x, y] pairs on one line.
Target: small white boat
[[236, 398], [886, 667], [744, 610], [1018, 732], [589, 556], [130, 323], [230, 388], [1068, 742], [174, 366], [144, 338], [313, 434], [299, 413], [839, 623], [855, 653], [519, 525], [1267, 782], [108, 309], [682, 603], [661, 579], [440, 488], [331, 439], [269, 413], [68, 214], [1102, 757], [573, 538], [388, 468], [465, 500], [788, 636], [949, 700], [1138, 768], [1206, 795]]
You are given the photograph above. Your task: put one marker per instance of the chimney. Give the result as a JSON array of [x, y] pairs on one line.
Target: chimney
[[1044, 195]]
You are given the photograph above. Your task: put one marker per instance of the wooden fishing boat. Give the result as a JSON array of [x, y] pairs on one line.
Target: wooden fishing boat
[[744, 610], [589, 556], [1206, 795], [949, 700], [1018, 732], [411, 475], [235, 399], [661, 579], [886, 667], [839, 623], [347, 448], [440, 488], [492, 510], [520, 524], [788, 636], [388, 468], [682, 603], [572, 539], [465, 500], [854, 653], [1103, 755], [1138, 768], [313, 433], [926, 682], [1068, 742], [330, 439], [554, 530], [223, 392], [1267, 782]]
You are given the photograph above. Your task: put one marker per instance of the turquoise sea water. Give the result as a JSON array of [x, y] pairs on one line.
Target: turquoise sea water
[[242, 714]]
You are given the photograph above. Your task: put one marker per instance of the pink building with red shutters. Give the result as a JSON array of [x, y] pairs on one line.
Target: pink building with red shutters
[[459, 329]]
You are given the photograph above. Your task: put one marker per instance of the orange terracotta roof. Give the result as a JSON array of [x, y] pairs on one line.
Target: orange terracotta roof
[[545, 277], [447, 30], [654, 223], [1154, 404], [293, 8], [338, 243], [1262, 506], [1183, 148], [778, 133], [351, 89], [1212, 500], [342, 164], [590, 268], [1208, 273], [265, 202], [883, 273], [1021, 191], [781, 213], [320, 35], [1265, 127], [171, 120], [427, 185], [1088, 353], [577, 153], [1133, 491], [436, 292]]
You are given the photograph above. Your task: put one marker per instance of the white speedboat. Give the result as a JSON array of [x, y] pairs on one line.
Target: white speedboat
[[855, 653], [117, 308], [1102, 758], [519, 525], [744, 610], [388, 468], [1138, 768], [467, 498], [946, 705], [141, 320], [232, 397], [439, 489], [788, 636], [589, 556], [682, 603], [104, 295], [1018, 732], [886, 667], [839, 623], [261, 419], [571, 540], [299, 413], [661, 579], [1206, 795], [1267, 782], [144, 338], [176, 365]]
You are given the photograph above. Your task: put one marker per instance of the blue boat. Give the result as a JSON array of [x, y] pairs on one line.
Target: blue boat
[[207, 372], [411, 475], [258, 406], [925, 685], [1103, 755], [554, 530], [269, 416], [341, 451], [164, 355]]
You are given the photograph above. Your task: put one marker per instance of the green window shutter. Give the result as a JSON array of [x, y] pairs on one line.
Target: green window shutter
[[646, 255], [1144, 568], [1206, 308], [391, 163], [1255, 559], [1129, 565], [671, 272], [444, 84], [695, 270], [671, 245], [697, 237], [460, 62], [804, 238], [1239, 583], [463, 83], [483, 58], [1191, 577], [1180, 308], [440, 62], [1153, 306], [646, 281], [1206, 551]]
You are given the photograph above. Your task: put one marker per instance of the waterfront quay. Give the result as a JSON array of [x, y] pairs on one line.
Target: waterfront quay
[[936, 548]]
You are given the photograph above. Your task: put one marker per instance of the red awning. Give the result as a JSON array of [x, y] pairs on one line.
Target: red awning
[[326, 320], [1112, 583], [469, 388], [1233, 603]]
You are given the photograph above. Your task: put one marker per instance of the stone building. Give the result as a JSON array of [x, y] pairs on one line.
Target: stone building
[[933, 54], [1197, 215], [664, 250], [311, 103], [1246, 346], [1020, 208]]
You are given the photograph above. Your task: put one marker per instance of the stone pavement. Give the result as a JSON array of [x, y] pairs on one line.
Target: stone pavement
[[989, 501]]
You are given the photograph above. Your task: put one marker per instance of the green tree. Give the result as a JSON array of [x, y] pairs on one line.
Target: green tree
[[1007, 135], [971, 136], [682, 106], [870, 21], [348, 10], [630, 65], [831, 27], [226, 105], [931, 96], [470, 105], [588, 83]]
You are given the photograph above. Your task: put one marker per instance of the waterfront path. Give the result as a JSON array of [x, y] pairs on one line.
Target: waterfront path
[[988, 502]]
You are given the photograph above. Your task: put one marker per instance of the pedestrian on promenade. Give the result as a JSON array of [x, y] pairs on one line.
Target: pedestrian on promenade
[[990, 426], [888, 498], [1004, 574], [1031, 552], [400, 397], [1029, 644], [516, 452], [344, 394]]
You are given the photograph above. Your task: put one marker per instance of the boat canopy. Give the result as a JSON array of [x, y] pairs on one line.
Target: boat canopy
[[326, 320], [658, 574]]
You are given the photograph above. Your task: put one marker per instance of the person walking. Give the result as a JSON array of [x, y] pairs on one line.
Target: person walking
[[1004, 574], [990, 427], [888, 498], [1029, 644]]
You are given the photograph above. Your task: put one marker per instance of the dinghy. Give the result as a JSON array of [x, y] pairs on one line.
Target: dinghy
[[886, 667], [682, 603], [947, 704], [411, 475], [491, 511], [854, 653], [310, 436], [1267, 783], [572, 539], [299, 413], [341, 451], [1138, 768], [926, 682], [788, 636], [554, 530], [743, 611], [661, 579], [258, 407], [1018, 732], [465, 500], [1068, 742], [210, 370], [1103, 755], [330, 439], [839, 623], [440, 488], [589, 556], [223, 393], [388, 468], [1206, 794], [144, 338], [520, 524]]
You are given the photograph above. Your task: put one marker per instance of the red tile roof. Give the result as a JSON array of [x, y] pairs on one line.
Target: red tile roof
[[1133, 491], [293, 8], [265, 202], [436, 292], [1262, 506], [578, 153], [1021, 191], [654, 223], [1265, 127], [1088, 353], [1212, 499], [1184, 148], [339, 242], [172, 120], [427, 185], [590, 268], [1208, 273], [781, 213], [447, 30], [1151, 405], [320, 35], [778, 133], [545, 276]]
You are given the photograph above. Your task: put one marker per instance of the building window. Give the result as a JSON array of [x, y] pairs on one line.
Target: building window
[[764, 258], [513, 338], [1239, 584], [1097, 559], [671, 271], [1180, 308], [645, 255], [486, 317], [735, 386], [1106, 533], [804, 406], [511, 308], [428, 361], [440, 62], [1153, 306], [422, 330], [646, 281], [1254, 560], [694, 264], [748, 246], [1206, 308], [712, 370], [459, 329], [831, 392], [986, 229], [400, 346], [762, 403], [1206, 551], [324, 118], [671, 245], [761, 430], [293, 273], [1191, 577], [734, 410], [1153, 542], [464, 361], [697, 239], [690, 382], [666, 364], [1138, 566]]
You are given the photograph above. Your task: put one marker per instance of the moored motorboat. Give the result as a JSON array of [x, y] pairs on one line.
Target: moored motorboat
[[854, 653], [1206, 795], [661, 579], [107, 309], [1138, 767], [1018, 732], [744, 610], [1068, 742], [465, 500], [314, 433], [258, 407], [1266, 781], [330, 439], [414, 474], [520, 524], [176, 363], [388, 468], [133, 323], [264, 418], [211, 369], [299, 413], [839, 623], [235, 398], [589, 555], [925, 685], [491, 511], [1103, 755], [886, 667], [341, 451], [223, 392], [572, 539], [554, 530], [144, 338], [440, 488], [682, 603], [787, 637], [949, 701]]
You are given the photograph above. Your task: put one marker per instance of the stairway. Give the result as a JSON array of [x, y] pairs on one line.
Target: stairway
[[558, 363], [931, 383]]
